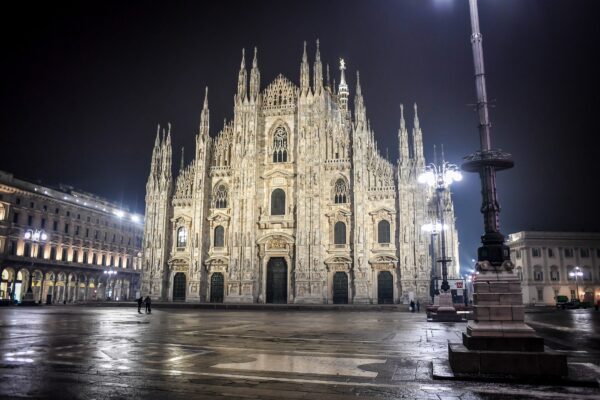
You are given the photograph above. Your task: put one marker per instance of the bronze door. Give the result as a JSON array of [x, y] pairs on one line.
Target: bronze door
[[385, 288], [340, 288], [277, 281], [216, 288], [179, 287]]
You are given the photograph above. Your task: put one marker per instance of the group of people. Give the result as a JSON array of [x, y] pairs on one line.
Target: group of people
[[145, 301], [415, 306]]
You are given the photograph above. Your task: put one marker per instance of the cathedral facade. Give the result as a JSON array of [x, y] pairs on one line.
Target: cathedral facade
[[291, 202]]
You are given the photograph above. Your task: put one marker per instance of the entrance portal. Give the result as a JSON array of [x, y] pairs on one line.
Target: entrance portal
[[385, 288], [340, 288], [277, 281], [179, 287], [216, 288]]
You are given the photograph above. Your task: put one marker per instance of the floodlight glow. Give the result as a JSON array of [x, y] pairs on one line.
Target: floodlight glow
[[27, 235], [135, 218]]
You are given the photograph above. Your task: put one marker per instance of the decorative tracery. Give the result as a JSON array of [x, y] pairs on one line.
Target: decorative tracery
[[280, 145], [221, 197], [340, 193]]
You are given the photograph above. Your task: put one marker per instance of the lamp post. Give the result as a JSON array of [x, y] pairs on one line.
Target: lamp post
[[440, 177], [575, 274], [109, 274], [498, 324], [35, 236], [433, 228]]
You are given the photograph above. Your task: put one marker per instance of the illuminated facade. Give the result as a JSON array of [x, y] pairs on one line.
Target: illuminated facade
[[291, 202], [66, 240], [557, 263]]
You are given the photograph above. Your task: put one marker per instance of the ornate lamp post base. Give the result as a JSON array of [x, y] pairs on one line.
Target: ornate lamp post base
[[445, 311], [497, 341]]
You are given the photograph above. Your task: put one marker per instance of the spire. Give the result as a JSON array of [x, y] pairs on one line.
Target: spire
[[318, 71], [242, 80], [418, 141], [304, 73], [167, 155], [254, 78], [360, 112], [204, 115], [403, 138], [156, 155], [343, 88], [328, 82], [182, 161]]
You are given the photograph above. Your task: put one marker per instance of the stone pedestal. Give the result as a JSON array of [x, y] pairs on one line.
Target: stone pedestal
[[497, 340], [28, 300], [445, 311]]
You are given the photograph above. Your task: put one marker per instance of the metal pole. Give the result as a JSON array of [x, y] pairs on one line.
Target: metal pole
[[486, 161], [433, 266], [445, 284]]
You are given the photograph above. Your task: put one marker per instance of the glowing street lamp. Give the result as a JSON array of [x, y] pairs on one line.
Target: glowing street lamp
[[440, 177], [575, 274], [36, 236], [109, 274]]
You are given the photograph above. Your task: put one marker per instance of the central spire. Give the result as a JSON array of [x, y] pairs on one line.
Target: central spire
[[304, 73], [254, 78], [343, 88]]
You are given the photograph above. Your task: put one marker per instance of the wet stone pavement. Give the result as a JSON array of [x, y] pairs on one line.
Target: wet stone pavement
[[78, 352]]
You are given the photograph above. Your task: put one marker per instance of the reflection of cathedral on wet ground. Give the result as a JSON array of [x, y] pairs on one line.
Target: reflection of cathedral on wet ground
[[291, 202]]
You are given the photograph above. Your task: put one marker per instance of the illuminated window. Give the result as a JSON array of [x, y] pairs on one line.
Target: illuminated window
[[278, 202], [219, 236], [383, 231], [182, 236], [339, 233]]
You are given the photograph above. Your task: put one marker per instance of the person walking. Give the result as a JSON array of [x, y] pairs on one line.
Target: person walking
[[418, 306], [140, 301], [148, 305], [412, 306]]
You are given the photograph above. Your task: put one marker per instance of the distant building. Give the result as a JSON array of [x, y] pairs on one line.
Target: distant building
[[68, 241], [292, 202], [545, 260]]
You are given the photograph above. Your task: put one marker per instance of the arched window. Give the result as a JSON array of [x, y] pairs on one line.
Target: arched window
[[219, 236], [280, 145], [221, 197], [339, 233], [182, 236], [554, 274], [278, 202], [383, 231], [340, 195], [538, 274]]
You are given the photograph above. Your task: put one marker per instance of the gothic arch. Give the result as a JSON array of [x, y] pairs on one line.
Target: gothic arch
[[279, 142], [340, 189], [220, 195]]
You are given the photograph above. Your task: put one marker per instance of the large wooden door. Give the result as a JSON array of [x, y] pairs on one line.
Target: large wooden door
[[385, 288], [340, 288], [277, 281], [179, 285], [216, 288]]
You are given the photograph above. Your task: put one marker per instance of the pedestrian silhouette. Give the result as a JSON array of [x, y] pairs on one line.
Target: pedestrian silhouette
[[412, 306], [418, 306], [140, 301], [148, 305]]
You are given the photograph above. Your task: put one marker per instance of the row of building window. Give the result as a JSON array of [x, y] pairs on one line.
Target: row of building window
[[339, 233], [125, 228], [67, 228], [340, 196], [538, 275], [28, 251], [537, 252]]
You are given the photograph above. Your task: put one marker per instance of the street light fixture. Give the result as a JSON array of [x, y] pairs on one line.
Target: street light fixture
[[109, 274], [440, 177], [575, 274], [36, 236]]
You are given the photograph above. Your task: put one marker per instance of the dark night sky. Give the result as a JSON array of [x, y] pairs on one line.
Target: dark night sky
[[85, 83]]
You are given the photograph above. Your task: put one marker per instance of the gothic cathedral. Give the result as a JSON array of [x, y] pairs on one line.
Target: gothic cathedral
[[291, 202]]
